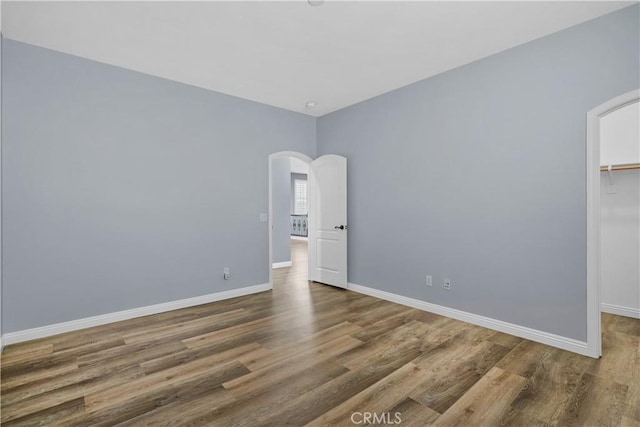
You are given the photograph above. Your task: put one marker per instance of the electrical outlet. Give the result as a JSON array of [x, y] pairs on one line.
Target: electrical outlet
[[429, 280], [225, 273], [447, 284]]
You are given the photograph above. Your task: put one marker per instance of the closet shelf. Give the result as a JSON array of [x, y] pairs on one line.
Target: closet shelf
[[620, 167]]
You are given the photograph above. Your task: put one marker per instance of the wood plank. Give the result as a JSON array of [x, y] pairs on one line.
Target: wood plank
[[486, 403], [272, 322], [392, 322], [505, 340], [405, 337], [597, 401], [454, 367], [618, 361], [40, 402], [175, 359], [32, 376], [131, 353], [158, 380], [410, 413], [333, 316], [628, 325], [275, 374], [260, 401], [525, 358], [380, 397], [49, 416], [375, 313], [629, 422], [95, 371], [181, 389], [117, 329], [257, 360], [310, 405], [56, 358], [10, 358], [548, 393], [426, 336], [190, 410], [632, 409], [204, 324]]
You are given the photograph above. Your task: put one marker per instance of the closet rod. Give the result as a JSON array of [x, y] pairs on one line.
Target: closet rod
[[620, 167]]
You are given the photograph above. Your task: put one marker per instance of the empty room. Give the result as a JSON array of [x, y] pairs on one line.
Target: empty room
[[323, 213]]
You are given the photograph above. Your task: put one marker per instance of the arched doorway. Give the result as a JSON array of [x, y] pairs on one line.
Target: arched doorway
[[273, 158], [594, 345]]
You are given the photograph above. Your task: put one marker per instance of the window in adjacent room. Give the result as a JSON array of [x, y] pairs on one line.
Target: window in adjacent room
[[300, 197]]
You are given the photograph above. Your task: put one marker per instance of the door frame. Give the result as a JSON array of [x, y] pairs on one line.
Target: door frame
[[279, 155], [594, 337]]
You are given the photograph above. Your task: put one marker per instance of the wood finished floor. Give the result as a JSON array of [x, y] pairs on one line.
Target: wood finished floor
[[311, 354]]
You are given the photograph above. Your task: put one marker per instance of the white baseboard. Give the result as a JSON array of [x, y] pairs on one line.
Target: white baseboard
[[547, 338], [282, 264], [1, 343], [620, 310], [74, 325], [306, 239]]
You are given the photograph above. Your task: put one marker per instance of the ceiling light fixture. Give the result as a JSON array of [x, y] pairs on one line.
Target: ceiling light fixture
[[315, 2], [311, 104]]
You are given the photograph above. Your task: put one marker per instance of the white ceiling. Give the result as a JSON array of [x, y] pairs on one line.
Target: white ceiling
[[286, 53]]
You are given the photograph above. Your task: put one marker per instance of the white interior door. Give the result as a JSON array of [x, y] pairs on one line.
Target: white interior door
[[328, 220]]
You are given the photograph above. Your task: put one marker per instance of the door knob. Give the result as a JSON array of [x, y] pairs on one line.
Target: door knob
[[340, 227]]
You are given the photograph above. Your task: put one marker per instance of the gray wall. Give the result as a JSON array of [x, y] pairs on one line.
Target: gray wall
[[294, 176], [281, 199], [1, 325], [478, 175], [122, 190]]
